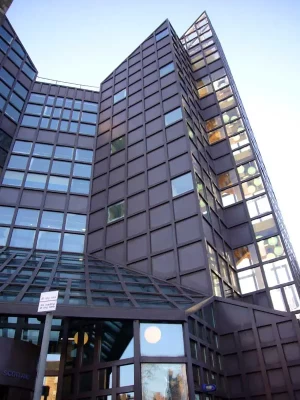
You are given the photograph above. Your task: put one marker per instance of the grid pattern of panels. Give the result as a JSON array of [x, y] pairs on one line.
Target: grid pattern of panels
[[83, 280]]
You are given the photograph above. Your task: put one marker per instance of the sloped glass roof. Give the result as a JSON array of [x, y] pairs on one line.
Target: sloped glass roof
[[83, 280]]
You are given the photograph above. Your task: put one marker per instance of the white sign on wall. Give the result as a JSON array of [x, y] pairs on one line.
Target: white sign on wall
[[48, 301]]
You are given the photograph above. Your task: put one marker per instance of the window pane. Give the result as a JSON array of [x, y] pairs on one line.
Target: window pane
[[6, 77], [27, 217], [126, 375], [66, 114], [6, 214], [156, 380], [48, 240], [13, 178], [198, 65], [292, 297], [238, 141], [84, 155], [259, 205], [222, 94], [75, 116], [52, 220], [120, 96], [216, 136], [88, 117], [213, 57], [213, 123], [162, 34], [37, 98], [253, 187], [5, 35], [47, 111], [39, 164], [216, 285], [203, 81], [17, 162], [278, 272], [116, 211], [76, 222], [231, 115], [82, 170], [18, 48], [245, 256], [22, 238], [182, 184], [251, 280], [117, 144], [80, 186], [28, 71], [264, 226], [45, 123], [173, 116], [243, 155], [64, 125], [205, 91], [159, 339], [35, 181], [3, 235], [73, 243], [20, 90], [227, 178], [231, 196], [12, 113], [30, 121], [4, 90], [166, 69], [63, 152], [92, 107], [61, 167], [271, 248], [86, 129], [43, 150], [54, 124], [57, 183], [277, 300], [248, 170], [16, 101], [73, 127], [221, 83]]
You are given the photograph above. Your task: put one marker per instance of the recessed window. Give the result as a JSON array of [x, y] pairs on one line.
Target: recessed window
[[17, 162], [77, 105], [3, 235], [58, 183], [251, 280], [61, 167], [6, 214], [35, 181], [3, 46], [50, 100], [264, 226], [117, 145], [22, 238], [213, 57], [80, 186], [205, 91], [73, 243], [258, 206], [27, 217], [120, 96], [166, 69], [30, 121], [278, 272], [34, 109], [39, 164], [182, 184], [63, 152], [52, 220], [73, 127], [37, 98], [64, 125], [86, 129], [59, 102], [116, 211], [228, 178], [75, 116], [88, 117], [92, 107], [245, 256], [13, 178], [82, 170], [161, 34], [66, 114], [54, 124], [44, 150], [84, 155], [76, 222], [173, 116], [45, 123], [48, 240], [213, 123], [231, 195]]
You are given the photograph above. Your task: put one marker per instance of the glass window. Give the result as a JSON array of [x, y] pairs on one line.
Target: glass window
[[161, 34], [59, 102], [80, 186], [228, 103], [16, 101], [203, 81], [120, 96], [73, 127], [4, 90], [35, 181], [75, 116], [61, 167], [13, 56], [242, 155], [5, 35], [17, 162], [52, 220], [258, 206], [157, 339], [221, 83], [182, 184], [82, 170], [28, 71], [54, 124], [216, 136], [2, 104], [213, 123], [245, 256], [48, 240], [86, 129], [116, 211], [3, 235], [68, 103], [239, 140], [22, 238], [3, 46], [37, 98], [18, 48], [45, 123], [126, 375], [30, 121], [64, 125], [222, 94], [6, 214], [58, 183], [277, 300], [227, 178], [166, 69], [118, 144], [92, 107], [42, 150], [292, 297], [231, 196], [205, 91], [248, 170], [173, 116], [76, 222], [231, 115], [198, 65], [264, 226], [88, 117], [13, 178], [251, 280], [253, 187], [6, 77], [196, 57], [237, 126], [157, 378], [12, 112], [50, 101], [84, 155], [66, 114], [271, 248], [63, 152], [278, 272], [216, 285], [39, 164], [27, 217], [73, 243], [213, 57], [20, 90]]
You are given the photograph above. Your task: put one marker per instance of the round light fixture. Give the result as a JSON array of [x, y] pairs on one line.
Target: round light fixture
[[273, 241], [270, 256], [241, 169], [152, 334], [278, 250], [226, 118], [251, 189], [257, 181], [251, 170]]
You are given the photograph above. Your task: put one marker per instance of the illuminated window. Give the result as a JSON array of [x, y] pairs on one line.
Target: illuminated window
[[231, 196], [264, 226], [258, 206], [271, 248], [245, 256], [278, 272], [251, 280], [253, 187]]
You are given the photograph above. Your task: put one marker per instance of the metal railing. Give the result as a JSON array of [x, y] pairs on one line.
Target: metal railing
[[69, 84]]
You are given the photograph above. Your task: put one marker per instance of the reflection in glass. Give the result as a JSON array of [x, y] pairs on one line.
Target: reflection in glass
[[278, 272], [126, 375], [213, 123], [247, 170], [277, 300], [292, 297], [6, 214], [228, 103], [22, 238], [251, 280], [115, 211], [253, 187], [223, 93], [245, 256], [264, 226], [227, 178], [271, 248], [258, 206], [35, 181], [231, 195], [27, 217], [52, 220], [216, 136], [164, 381], [173, 116], [105, 378], [205, 91], [182, 184], [243, 154], [48, 240]]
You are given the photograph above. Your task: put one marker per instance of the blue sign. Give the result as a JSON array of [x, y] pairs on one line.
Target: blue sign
[[209, 387]]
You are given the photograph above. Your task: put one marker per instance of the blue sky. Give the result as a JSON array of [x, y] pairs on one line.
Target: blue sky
[[83, 42]]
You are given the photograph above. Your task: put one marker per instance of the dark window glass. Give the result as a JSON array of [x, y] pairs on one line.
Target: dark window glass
[[16, 101], [18, 49], [28, 71], [12, 112], [61, 167], [37, 98], [84, 155], [15, 58], [34, 109], [5, 35], [88, 117], [2, 103], [161, 34], [6, 77], [116, 211], [63, 152], [118, 144], [92, 107], [30, 121], [119, 96], [5, 140], [43, 150], [39, 164], [86, 129]]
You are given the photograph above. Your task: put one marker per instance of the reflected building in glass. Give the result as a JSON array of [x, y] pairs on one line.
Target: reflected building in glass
[[146, 204]]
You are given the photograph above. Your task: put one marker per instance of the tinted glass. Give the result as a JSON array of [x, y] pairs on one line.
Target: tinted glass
[[28, 71], [86, 129], [61, 167], [84, 155], [39, 164], [6, 214], [92, 107], [82, 170], [115, 211], [166, 69], [161, 34], [52, 220], [76, 222], [22, 238], [16, 101], [43, 150], [37, 98], [120, 96], [63, 152], [182, 184], [17, 162], [6, 77], [173, 116], [12, 112], [30, 121], [35, 181], [88, 117], [57, 183], [48, 240], [73, 243], [80, 186], [27, 217], [3, 235], [13, 178]]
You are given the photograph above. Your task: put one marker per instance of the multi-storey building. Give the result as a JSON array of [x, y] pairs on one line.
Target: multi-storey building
[[147, 205]]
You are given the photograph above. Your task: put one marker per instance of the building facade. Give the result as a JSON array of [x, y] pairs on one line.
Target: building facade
[[146, 203]]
